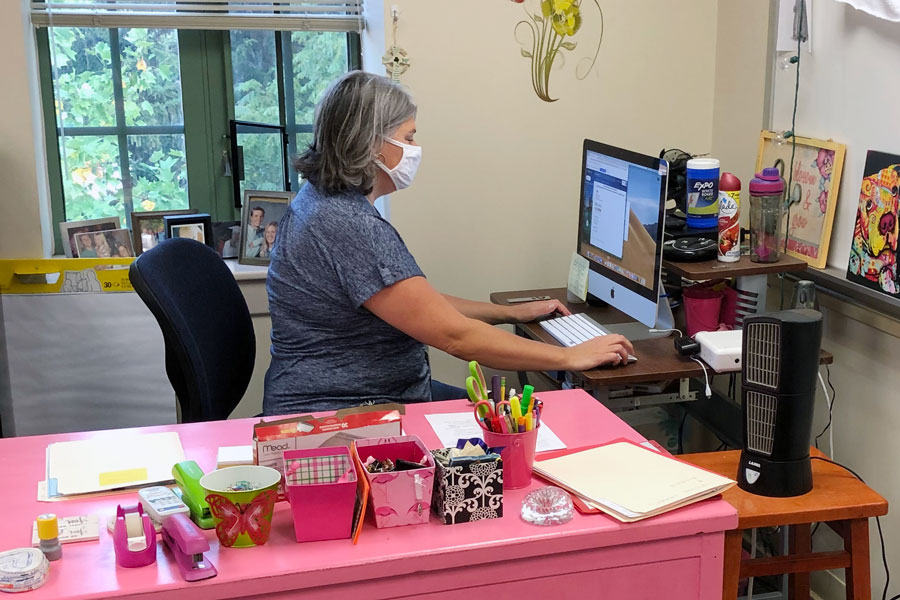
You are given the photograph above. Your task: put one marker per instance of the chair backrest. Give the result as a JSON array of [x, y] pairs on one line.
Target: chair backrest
[[206, 326]]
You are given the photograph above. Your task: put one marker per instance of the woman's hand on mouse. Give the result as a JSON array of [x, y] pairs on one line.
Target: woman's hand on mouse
[[530, 311], [607, 349]]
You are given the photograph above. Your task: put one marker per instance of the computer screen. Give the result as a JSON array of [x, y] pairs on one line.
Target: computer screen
[[620, 228]]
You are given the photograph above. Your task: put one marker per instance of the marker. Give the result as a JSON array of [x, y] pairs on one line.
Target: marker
[[521, 422], [526, 399], [515, 407], [529, 422], [496, 394]]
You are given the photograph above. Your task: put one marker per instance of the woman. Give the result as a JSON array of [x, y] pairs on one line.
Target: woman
[[268, 244], [101, 245], [352, 313], [85, 245]]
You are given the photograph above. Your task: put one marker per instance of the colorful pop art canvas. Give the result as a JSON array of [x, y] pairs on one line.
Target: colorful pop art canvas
[[873, 253]]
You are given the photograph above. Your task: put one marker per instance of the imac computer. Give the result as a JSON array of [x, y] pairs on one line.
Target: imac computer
[[620, 233]]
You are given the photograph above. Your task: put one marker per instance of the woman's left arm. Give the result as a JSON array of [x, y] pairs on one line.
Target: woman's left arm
[[495, 314]]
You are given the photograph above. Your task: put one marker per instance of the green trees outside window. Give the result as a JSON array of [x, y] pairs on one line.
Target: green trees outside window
[[137, 119]]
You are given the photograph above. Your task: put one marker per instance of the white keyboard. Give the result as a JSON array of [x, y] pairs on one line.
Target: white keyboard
[[572, 330]]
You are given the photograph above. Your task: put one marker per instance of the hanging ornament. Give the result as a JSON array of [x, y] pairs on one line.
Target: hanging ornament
[[395, 60]]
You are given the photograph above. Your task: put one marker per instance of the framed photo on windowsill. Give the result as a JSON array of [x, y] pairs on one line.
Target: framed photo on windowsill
[[148, 228], [69, 229], [197, 227], [260, 216]]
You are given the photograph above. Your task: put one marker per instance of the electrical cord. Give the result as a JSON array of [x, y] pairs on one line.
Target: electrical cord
[[887, 571], [830, 401], [828, 428], [793, 152], [705, 375]]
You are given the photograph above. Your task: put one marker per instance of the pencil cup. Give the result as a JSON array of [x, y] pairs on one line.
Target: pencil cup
[[517, 455], [242, 500]]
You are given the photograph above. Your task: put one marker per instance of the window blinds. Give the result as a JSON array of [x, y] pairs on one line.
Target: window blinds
[[290, 15]]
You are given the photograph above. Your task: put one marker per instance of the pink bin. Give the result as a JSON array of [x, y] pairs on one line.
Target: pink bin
[[402, 497], [321, 484]]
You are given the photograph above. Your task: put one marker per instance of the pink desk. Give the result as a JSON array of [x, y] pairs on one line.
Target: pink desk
[[676, 556]]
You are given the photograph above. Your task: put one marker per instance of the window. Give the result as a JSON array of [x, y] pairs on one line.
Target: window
[[137, 118]]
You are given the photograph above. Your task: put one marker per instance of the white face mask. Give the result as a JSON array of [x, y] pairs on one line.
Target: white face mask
[[402, 175]]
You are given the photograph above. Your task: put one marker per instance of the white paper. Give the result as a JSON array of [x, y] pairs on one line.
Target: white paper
[[450, 427]]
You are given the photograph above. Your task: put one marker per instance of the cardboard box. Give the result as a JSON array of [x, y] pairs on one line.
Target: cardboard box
[[272, 438], [468, 492]]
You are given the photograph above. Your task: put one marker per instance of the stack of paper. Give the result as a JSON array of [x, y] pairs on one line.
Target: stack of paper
[[111, 462], [630, 482]]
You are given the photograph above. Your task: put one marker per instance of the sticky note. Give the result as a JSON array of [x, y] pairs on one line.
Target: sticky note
[[578, 277], [122, 477]]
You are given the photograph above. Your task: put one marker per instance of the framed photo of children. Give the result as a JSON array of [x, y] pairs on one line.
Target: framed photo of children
[[814, 186], [148, 228], [197, 227], [69, 229], [259, 224]]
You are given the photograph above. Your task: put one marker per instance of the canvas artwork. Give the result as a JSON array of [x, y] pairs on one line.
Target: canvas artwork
[[873, 252], [814, 184]]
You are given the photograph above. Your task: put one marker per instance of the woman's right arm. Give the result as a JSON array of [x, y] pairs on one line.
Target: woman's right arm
[[414, 307]]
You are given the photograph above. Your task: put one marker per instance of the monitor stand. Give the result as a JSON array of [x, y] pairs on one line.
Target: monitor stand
[[636, 331]]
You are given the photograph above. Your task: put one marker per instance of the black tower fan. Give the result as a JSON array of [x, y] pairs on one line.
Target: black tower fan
[[780, 358]]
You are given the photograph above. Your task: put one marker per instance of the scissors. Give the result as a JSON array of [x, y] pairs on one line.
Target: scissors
[[492, 416], [484, 411], [478, 397], [476, 372]]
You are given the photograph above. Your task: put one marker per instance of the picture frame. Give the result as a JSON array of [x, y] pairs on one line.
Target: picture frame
[[154, 225], [815, 183], [109, 243], [260, 215], [68, 229], [196, 226], [873, 249]]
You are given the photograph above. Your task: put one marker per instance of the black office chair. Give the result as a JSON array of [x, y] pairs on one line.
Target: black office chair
[[206, 326]]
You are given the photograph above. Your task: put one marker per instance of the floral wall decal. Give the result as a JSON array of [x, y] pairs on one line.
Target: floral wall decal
[[548, 34]]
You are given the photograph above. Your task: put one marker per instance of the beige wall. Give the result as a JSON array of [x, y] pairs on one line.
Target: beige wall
[[494, 206], [742, 71], [21, 159]]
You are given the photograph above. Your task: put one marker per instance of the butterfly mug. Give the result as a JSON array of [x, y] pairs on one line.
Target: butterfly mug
[[243, 517]]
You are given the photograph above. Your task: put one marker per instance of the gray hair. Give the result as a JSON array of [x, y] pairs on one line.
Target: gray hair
[[356, 111]]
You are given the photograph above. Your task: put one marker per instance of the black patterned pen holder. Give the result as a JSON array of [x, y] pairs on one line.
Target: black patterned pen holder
[[468, 492]]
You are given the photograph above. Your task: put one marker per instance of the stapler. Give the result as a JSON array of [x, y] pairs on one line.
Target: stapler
[[187, 475], [134, 538], [187, 544]]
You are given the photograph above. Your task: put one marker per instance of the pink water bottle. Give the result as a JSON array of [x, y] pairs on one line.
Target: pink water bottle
[[766, 205]]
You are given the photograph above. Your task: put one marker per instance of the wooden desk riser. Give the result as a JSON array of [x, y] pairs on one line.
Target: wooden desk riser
[[657, 359]]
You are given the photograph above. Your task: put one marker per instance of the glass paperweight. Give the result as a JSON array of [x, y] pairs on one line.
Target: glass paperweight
[[548, 506]]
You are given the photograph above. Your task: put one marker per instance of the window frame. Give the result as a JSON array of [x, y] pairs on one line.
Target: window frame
[[205, 67]]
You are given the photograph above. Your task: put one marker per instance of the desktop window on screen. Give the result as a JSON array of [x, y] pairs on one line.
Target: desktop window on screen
[[621, 217]]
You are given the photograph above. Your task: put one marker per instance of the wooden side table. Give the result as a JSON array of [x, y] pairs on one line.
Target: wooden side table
[[838, 499]]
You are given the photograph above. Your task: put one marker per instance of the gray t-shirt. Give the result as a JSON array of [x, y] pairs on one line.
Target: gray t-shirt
[[328, 351]]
